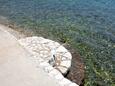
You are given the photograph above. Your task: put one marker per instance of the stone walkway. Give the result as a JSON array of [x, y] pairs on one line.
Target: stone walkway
[[15, 67], [49, 51], [32, 62]]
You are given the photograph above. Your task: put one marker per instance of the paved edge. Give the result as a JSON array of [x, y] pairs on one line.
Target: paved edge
[[15, 68]]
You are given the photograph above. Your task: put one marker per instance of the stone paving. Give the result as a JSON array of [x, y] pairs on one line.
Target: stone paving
[[49, 55], [16, 69], [50, 51]]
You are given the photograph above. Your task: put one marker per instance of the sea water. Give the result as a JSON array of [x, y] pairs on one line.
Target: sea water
[[88, 25]]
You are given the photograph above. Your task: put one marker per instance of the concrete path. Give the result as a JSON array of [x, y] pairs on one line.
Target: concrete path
[[15, 67]]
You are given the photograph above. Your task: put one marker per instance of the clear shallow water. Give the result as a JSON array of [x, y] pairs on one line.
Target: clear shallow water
[[88, 25]]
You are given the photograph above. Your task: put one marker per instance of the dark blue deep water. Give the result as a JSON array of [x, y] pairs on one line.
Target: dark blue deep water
[[88, 25]]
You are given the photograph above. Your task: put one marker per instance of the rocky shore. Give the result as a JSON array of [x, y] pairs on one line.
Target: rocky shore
[[75, 72]]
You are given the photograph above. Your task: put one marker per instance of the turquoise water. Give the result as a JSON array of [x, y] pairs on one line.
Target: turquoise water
[[88, 25]]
